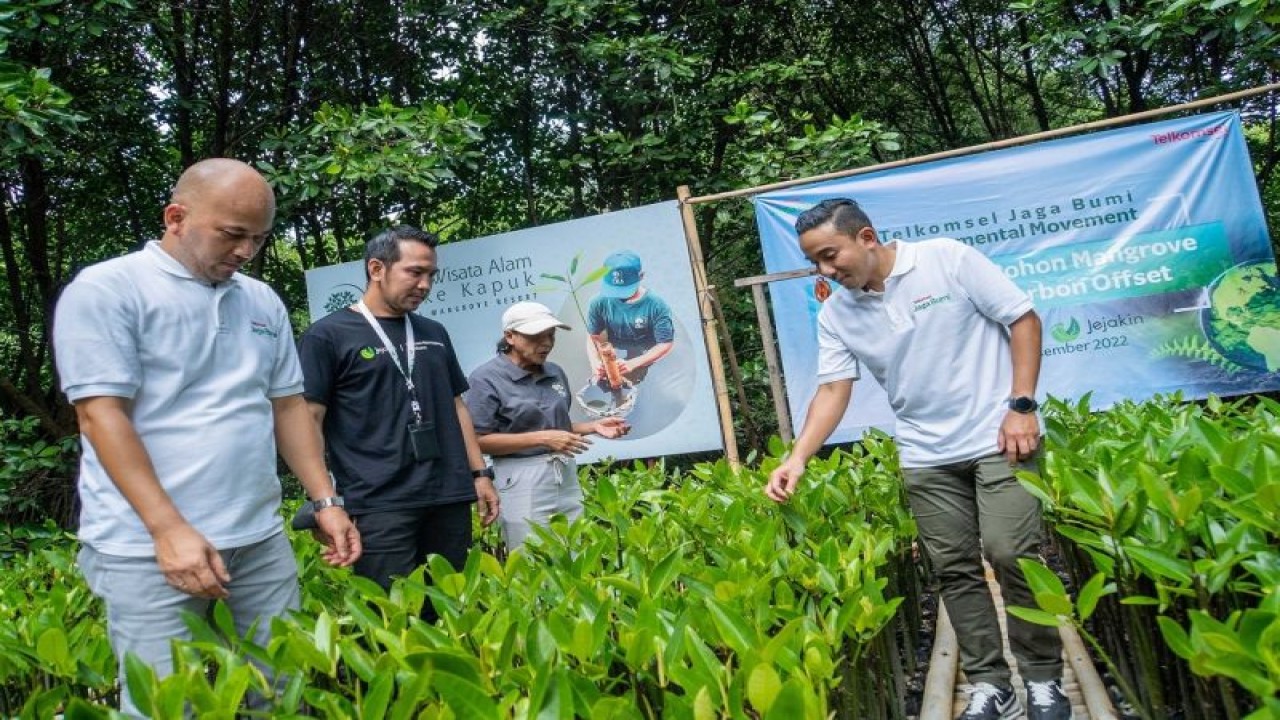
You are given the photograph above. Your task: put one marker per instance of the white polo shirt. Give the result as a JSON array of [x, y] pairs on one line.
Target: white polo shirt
[[201, 364], [937, 339]]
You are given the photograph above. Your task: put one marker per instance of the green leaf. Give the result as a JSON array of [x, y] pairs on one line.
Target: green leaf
[[594, 276], [704, 707], [733, 629], [789, 704], [1094, 590], [141, 680], [1139, 600], [1039, 617], [1159, 565], [664, 572], [763, 686], [52, 648], [359, 660], [1041, 579], [465, 698], [1175, 637]]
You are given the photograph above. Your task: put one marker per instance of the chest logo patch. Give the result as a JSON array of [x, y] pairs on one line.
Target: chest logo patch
[[558, 387], [368, 353], [257, 327], [925, 302]]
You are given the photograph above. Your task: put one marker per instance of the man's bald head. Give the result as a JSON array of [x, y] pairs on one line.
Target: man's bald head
[[220, 175], [218, 218]]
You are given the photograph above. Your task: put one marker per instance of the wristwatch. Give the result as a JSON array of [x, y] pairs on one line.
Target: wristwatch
[[483, 473], [322, 503], [1023, 404]]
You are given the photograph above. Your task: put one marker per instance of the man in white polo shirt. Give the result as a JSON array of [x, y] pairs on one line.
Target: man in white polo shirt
[[186, 383], [957, 347]]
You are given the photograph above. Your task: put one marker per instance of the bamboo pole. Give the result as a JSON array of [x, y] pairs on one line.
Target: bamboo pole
[[1087, 679], [709, 332], [938, 702], [776, 389], [995, 145], [735, 371]]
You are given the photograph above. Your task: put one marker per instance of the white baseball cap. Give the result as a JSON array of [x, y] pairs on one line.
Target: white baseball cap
[[530, 318]]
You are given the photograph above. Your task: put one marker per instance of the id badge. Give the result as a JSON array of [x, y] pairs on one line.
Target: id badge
[[422, 438]]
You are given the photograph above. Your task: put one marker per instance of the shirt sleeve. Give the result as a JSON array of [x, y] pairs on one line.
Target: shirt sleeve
[[990, 290], [595, 316], [286, 372], [835, 360], [319, 363], [457, 378], [483, 404], [664, 330], [96, 343]]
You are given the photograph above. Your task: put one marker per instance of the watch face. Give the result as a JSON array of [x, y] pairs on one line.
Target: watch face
[[1022, 404]]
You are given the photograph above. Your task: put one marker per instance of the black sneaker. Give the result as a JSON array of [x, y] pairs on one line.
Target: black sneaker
[[1046, 701], [988, 702]]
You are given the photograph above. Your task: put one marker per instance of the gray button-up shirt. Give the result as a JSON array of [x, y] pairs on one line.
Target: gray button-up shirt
[[505, 398]]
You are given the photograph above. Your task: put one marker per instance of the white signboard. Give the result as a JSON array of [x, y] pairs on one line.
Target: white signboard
[[560, 265]]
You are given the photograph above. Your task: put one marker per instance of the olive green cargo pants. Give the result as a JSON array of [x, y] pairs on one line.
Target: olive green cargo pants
[[956, 507]]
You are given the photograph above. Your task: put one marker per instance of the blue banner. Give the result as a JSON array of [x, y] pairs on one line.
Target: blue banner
[[1144, 249]]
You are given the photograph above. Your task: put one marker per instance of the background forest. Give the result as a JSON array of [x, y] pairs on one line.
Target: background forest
[[472, 118]]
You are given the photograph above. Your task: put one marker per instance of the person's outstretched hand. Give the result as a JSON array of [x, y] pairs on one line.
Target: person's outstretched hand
[[611, 427], [339, 535], [783, 480], [564, 442]]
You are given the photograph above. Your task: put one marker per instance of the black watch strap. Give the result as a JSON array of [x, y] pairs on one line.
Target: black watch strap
[[483, 473], [1023, 404]]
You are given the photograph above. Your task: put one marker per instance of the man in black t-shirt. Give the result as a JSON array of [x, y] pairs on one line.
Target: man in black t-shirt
[[398, 436]]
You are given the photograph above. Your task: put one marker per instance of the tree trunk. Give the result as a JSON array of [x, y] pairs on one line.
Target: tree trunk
[[1033, 81], [17, 297], [222, 92], [184, 83]]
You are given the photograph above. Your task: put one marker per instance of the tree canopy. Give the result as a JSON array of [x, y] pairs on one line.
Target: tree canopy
[[472, 118]]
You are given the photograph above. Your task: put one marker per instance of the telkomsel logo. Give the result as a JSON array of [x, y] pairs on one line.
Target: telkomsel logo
[[1180, 135]]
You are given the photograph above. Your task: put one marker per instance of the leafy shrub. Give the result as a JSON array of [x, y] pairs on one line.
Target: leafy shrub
[[681, 595], [36, 476], [1172, 513]]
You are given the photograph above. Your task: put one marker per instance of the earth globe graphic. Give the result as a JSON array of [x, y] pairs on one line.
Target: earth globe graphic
[[1242, 321]]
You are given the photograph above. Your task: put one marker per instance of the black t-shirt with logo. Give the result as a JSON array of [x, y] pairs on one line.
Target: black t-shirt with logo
[[367, 412]]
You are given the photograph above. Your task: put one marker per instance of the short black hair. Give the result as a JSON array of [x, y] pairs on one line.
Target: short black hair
[[843, 214], [385, 246]]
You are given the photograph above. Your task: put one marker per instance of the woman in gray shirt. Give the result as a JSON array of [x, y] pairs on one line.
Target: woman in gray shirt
[[519, 404]]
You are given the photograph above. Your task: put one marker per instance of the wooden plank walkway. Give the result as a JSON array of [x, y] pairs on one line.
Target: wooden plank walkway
[[1089, 699]]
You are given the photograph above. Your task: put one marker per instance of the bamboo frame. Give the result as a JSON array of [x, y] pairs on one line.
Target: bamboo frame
[[709, 332]]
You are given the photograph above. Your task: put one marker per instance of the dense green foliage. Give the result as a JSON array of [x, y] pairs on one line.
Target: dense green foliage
[[1173, 509], [686, 595], [480, 117]]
